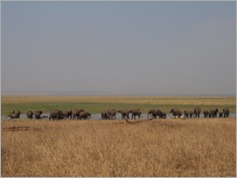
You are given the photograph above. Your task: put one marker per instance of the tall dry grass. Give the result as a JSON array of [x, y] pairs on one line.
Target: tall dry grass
[[194, 147]]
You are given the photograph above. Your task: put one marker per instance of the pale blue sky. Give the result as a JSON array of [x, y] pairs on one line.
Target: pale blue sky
[[147, 48]]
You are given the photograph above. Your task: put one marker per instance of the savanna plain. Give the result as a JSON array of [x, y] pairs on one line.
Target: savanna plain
[[158, 147]]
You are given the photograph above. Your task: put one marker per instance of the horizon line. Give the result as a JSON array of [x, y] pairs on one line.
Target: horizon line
[[102, 93]]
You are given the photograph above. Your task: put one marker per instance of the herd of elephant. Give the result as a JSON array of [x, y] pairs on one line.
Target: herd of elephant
[[125, 114]]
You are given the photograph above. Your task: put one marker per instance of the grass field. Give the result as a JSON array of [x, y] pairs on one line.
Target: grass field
[[169, 147], [97, 104]]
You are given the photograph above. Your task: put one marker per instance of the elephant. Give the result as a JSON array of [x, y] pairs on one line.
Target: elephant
[[111, 113], [226, 112], [124, 114], [85, 115], [186, 114], [163, 115], [154, 113], [213, 112], [17, 113], [104, 115], [206, 113], [37, 114], [14, 114], [29, 114], [68, 114], [151, 113], [135, 112], [176, 112], [56, 114], [197, 112], [76, 113], [220, 114]]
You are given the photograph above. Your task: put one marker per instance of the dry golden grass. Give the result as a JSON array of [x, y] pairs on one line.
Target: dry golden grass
[[178, 147], [124, 99]]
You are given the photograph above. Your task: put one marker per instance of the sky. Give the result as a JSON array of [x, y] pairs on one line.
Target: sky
[[118, 48]]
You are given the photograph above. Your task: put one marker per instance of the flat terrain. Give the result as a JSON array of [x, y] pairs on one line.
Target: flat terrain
[[161, 147], [158, 147], [97, 104]]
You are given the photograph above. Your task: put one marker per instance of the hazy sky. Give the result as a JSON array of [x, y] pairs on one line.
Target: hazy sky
[[148, 48]]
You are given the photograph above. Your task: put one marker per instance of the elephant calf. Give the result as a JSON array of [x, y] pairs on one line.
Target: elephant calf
[[220, 114]]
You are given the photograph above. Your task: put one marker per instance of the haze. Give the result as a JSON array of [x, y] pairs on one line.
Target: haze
[[118, 48]]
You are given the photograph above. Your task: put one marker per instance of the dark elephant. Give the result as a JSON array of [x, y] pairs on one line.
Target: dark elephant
[[213, 112], [163, 115], [76, 113], [56, 115], [29, 114], [14, 114], [17, 113], [186, 114], [85, 115], [151, 113], [176, 113], [206, 113], [124, 114], [197, 112], [135, 112], [226, 112], [67, 114], [104, 115], [220, 114], [111, 113], [154, 113], [37, 114]]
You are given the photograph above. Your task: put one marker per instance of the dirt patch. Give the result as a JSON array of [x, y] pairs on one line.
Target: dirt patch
[[136, 121], [20, 128]]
